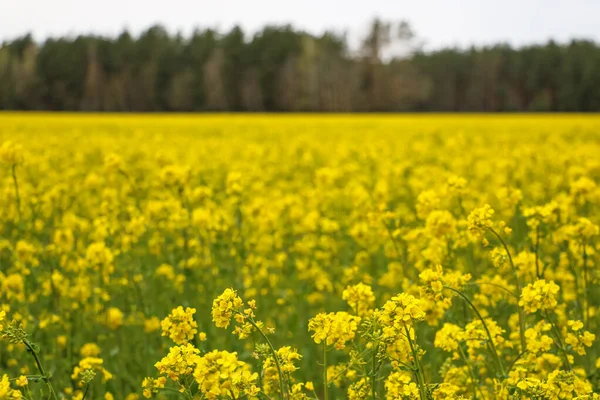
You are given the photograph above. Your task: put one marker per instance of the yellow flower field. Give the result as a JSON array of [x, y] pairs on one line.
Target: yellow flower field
[[299, 257]]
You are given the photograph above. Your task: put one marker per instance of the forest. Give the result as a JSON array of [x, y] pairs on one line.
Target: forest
[[283, 69]]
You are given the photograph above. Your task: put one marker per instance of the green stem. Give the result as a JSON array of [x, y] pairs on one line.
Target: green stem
[[586, 306], [418, 368], [134, 189], [472, 374], [485, 327], [274, 353], [559, 342], [87, 388], [16, 183], [514, 362], [579, 301], [45, 377], [537, 247], [495, 285], [165, 389], [325, 383], [29, 392], [350, 365], [391, 235], [518, 284], [396, 247], [267, 397], [374, 375]]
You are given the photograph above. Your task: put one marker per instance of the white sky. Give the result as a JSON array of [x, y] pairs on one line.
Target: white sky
[[438, 22]]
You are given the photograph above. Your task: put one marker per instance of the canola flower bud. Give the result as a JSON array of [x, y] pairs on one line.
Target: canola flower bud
[[86, 377], [94, 364], [14, 333]]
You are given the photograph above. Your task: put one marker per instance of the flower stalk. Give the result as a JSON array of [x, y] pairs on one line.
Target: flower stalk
[[518, 285], [491, 344]]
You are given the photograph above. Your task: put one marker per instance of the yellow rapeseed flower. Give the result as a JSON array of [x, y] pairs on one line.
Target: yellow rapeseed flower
[[180, 326], [540, 295]]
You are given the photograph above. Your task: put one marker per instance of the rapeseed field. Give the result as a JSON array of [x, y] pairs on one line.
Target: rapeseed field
[[299, 257]]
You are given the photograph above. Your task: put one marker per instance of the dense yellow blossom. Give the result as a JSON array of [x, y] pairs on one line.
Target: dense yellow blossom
[[355, 227], [152, 386], [287, 356], [11, 153], [360, 298], [6, 392], [89, 350], [449, 337], [22, 381], [399, 313], [480, 220], [334, 328], [359, 390], [220, 373], [224, 307], [399, 386], [578, 338], [539, 339], [114, 317], [180, 326], [540, 295]]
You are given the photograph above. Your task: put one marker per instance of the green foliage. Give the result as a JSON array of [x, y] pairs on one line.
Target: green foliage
[[284, 69]]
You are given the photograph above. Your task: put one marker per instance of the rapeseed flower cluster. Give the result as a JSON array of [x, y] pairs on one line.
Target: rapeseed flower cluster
[[6, 391], [179, 362], [225, 306], [400, 313], [334, 328], [540, 295], [360, 298], [221, 373], [180, 326]]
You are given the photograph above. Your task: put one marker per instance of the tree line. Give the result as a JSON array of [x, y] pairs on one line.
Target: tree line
[[283, 69]]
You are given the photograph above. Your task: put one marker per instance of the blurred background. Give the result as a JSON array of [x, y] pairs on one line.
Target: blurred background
[[285, 56]]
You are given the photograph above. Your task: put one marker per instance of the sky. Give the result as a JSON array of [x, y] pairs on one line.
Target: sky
[[439, 23]]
